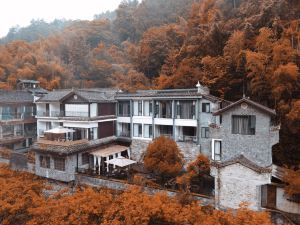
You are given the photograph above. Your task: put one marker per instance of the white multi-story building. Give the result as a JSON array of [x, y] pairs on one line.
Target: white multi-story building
[[181, 114]]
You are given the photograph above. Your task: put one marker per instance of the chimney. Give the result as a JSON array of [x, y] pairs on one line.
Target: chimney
[[202, 89], [198, 86]]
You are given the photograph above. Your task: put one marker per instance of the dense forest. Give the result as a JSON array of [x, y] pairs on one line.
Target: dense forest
[[232, 46]]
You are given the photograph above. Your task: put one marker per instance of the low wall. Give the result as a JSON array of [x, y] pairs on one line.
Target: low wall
[[118, 185], [285, 205]]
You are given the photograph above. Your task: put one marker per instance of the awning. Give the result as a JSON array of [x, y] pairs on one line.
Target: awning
[[120, 161], [111, 150], [59, 130]]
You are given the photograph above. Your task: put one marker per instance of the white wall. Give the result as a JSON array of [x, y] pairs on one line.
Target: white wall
[[238, 184], [77, 109]]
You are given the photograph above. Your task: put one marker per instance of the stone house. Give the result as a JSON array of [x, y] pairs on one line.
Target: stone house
[[241, 146]]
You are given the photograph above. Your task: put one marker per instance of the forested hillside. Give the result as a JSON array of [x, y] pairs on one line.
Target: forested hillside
[[228, 45]]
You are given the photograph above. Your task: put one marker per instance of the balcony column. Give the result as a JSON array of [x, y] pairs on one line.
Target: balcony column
[[198, 117], [173, 116], [153, 116], [1, 135], [131, 122]]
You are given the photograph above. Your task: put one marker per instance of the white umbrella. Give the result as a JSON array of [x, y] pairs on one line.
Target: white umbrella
[[60, 130], [120, 161]]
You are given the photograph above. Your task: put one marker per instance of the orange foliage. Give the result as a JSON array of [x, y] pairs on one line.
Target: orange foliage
[[292, 178], [163, 157], [22, 202]]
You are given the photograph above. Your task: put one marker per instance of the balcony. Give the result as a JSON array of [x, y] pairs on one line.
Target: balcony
[[186, 138], [16, 116], [10, 138], [63, 114], [44, 143]]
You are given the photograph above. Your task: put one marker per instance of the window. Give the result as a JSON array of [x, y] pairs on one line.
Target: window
[[137, 130], [244, 125], [206, 107], [204, 132], [178, 110], [45, 161], [140, 108], [148, 131], [59, 164], [147, 108], [216, 149], [85, 158]]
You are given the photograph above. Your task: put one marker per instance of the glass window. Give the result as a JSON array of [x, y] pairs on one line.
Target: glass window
[[204, 132], [244, 124], [45, 161], [148, 131], [59, 164], [147, 108], [217, 150], [206, 107], [137, 130], [140, 108]]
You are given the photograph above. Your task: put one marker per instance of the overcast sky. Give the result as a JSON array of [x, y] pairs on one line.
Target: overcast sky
[[21, 12]]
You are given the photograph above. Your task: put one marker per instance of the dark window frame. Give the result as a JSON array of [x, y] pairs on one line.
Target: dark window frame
[[60, 164], [44, 161], [206, 107], [205, 132], [248, 120]]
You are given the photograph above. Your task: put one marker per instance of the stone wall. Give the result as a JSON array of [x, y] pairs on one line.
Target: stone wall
[[66, 176], [18, 161], [118, 185], [189, 150], [235, 184], [138, 148]]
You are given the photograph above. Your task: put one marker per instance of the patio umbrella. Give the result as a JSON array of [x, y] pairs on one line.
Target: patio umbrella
[[59, 130], [120, 161]]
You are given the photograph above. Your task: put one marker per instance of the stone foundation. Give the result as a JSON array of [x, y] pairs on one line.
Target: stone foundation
[[189, 150]]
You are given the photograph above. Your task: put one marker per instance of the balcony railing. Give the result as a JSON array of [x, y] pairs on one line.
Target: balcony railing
[[186, 138], [16, 116], [167, 116], [124, 134], [166, 135], [63, 114], [124, 115], [11, 135]]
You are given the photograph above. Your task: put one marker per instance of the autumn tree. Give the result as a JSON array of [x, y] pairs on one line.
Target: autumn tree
[[163, 157]]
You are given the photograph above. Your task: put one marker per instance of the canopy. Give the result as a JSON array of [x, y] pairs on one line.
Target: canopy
[[120, 161], [111, 150], [59, 130]]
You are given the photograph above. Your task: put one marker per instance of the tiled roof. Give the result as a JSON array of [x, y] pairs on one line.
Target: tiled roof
[[15, 96], [91, 95], [243, 161], [173, 93], [71, 149], [29, 81], [250, 102]]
